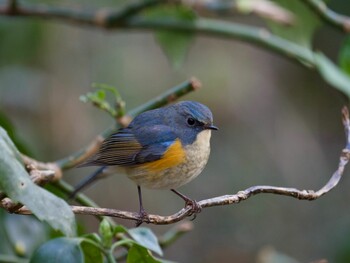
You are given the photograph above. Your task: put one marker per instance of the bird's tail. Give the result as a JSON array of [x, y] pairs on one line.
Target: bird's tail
[[98, 174]]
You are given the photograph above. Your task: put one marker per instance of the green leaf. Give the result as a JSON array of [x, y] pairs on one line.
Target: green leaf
[[138, 254], [303, 29], [106, 233], [119, 229], [93, 237], [175, 44], [15, 182], [92, 253], [344, 56], [67, 250], [146, 238], [9, 127], [332, 74], [25, 233]]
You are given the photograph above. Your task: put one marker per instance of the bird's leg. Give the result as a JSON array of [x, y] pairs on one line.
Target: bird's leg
[[143, 216], [196, 208]]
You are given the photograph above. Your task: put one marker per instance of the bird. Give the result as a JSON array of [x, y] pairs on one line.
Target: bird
[[163, 148]]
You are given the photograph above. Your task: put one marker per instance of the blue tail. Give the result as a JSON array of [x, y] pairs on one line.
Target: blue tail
[[98, 174]]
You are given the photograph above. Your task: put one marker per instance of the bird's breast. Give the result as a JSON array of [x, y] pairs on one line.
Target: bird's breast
[[193, 160]]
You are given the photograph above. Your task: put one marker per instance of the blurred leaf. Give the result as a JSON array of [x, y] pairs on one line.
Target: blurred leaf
[[67, 250], [175, 44], [93, 237], [20, 40], [5, 247], [10, 129], [106, 233], [138, 254], [15, 182], [119, 229], [25, 233], [92, 253], [146, 238], [332, 74], [305, 23], [344, 56]]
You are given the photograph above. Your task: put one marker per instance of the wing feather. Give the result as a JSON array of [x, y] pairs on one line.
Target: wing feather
[[130, 147]]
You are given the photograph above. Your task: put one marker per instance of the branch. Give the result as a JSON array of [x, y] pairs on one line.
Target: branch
[[110, 19], [229, 199], [334, 19]]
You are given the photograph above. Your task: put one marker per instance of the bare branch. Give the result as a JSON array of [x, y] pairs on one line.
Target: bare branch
[[227, 199], [329, 16]]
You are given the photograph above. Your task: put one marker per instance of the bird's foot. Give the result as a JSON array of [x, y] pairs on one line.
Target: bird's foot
[[142, 217], [195, 206]]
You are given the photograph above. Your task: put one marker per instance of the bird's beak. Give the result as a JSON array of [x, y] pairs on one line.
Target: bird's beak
[[211, 127]]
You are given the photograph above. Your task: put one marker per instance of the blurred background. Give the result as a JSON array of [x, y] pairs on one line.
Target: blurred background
[[280, 125]]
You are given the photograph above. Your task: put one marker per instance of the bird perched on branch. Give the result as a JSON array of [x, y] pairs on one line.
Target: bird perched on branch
[[163, 148]]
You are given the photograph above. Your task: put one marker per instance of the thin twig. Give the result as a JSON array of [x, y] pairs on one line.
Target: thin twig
[[229, 199], [329, 16], [110, 19]]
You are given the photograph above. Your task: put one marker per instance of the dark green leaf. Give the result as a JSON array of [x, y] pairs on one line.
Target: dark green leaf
[[67, 250], [138, 254], [8, 126], [303, 29], [344, 56], [175, 44], [332, 74], [146, 238], [15, 182]]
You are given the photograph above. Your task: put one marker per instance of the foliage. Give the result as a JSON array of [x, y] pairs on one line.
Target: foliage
[[14, 181], [32, 239], [97, 248]]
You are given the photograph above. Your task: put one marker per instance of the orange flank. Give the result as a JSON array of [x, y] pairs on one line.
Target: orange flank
[[173, 156]]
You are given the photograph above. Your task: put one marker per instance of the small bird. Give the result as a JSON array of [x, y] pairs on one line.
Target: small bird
[[163, 148]]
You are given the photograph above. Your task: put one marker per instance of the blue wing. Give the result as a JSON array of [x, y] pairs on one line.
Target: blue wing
[[129, 147]]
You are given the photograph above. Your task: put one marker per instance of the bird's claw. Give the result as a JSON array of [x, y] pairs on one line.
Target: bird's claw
[[142, 217], [195, 208]]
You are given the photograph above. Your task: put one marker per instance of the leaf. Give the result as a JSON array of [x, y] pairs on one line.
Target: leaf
[[10, 129], [175, 44], [138, 254], [306, 22], [67, 250], [25, 233], [93, 237], [106, 233], [332, 74], [146, 238], [15, 182], [119, 229], [344, 56]]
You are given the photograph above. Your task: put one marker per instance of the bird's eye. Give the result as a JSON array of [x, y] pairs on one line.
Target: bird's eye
[[191, 121]]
